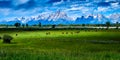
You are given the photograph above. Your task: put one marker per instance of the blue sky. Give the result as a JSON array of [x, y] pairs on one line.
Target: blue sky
[[10, 10]]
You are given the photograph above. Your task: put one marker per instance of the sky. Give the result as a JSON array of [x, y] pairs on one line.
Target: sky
[[11, 10]]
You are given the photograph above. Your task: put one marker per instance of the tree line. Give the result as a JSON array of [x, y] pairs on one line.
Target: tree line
[[107, 25], [17, 25]]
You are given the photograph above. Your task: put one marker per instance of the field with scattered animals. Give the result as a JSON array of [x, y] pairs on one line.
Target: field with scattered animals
[[61, 45]]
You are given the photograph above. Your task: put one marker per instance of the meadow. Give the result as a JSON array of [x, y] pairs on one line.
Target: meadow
[[61, 45]]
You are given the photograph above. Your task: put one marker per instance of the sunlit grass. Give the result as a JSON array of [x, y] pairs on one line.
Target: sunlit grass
[[36, 45]]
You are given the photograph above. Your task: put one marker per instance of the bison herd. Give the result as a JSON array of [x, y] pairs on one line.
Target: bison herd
[[77, 32]]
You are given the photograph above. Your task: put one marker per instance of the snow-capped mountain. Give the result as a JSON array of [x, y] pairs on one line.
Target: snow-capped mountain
[[97, 19], [60, 17], [11, 22], [115, 17], [84, 20], [101, 19]]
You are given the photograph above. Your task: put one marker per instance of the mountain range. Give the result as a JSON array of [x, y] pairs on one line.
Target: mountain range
[[60, 17], [59, 11]]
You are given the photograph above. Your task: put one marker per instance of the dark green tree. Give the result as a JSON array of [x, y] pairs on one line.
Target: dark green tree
[[17, 24], [39, 24], [6, 26], [117, 25], [7, 38], [83, 25], [27, 25], [108, 24], [23, 25], [53, 26], [0, 37]]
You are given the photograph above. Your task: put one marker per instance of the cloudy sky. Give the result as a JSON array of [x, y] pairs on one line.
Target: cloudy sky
[[12, 9]]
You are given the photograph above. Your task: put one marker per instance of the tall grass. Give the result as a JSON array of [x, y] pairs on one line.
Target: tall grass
[[36, 45]]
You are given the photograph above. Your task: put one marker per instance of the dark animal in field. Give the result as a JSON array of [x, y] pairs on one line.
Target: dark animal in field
[[77, 32], [16, 34], [66, 32], [96, 30], [71, 32], [47, 33], [62, 32], [0, 37], [7, 38]]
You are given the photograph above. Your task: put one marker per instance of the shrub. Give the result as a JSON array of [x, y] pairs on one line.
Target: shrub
[[53, 26], [0, 37], [7, 38], [48, 33]]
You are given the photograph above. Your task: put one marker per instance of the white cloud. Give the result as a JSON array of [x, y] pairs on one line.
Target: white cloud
[[57, 3], [115, 17], [18, 2], [102, 9], [4, 11], [72, 10]]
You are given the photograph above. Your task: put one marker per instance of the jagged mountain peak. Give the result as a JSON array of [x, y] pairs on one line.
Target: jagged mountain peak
[[58, 15]]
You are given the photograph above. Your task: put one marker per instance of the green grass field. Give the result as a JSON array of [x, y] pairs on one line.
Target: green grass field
[[86, 45]]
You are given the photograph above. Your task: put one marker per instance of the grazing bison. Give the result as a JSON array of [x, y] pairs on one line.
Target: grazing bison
[[47, 33], [78, 32], [16, 34], [66, 32], [71, 32], [0, 37], [96, 30], [62, 32]]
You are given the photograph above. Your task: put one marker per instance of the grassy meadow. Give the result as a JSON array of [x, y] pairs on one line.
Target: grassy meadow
[[61, 45]]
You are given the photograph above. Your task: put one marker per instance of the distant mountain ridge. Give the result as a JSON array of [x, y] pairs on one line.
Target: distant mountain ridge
[[60, 17]]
